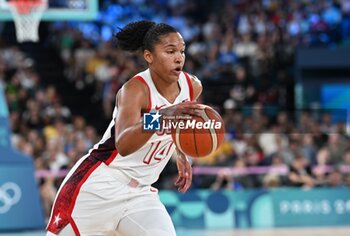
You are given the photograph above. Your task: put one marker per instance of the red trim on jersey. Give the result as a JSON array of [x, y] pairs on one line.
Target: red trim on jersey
[[190, 87], [149, 91], [153, 189], [74, 226], [111, 157]]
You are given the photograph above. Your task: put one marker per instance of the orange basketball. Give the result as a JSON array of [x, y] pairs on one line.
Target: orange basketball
[[201, 135]]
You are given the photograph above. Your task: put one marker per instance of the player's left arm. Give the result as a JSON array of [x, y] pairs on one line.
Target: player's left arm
[[197, 86]]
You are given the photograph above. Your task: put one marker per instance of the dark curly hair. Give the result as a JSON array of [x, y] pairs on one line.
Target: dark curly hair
[[142, 35]]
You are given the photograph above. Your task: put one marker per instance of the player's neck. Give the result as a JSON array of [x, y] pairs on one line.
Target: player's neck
[[168, 89]]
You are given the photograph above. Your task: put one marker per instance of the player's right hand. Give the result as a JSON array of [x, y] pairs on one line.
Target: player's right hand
[[184, 108]]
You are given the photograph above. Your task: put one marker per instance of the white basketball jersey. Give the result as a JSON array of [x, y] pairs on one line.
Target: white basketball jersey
[[146, 164]]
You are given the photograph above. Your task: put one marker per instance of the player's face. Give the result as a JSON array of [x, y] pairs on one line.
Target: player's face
[[168, 57]]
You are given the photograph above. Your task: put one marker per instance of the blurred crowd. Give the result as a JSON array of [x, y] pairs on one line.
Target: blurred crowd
[[244, 49]]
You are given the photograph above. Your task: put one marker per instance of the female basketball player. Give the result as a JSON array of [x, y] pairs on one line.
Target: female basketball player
[[109, 190]]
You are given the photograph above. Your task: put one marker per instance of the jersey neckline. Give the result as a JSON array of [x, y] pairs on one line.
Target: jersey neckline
[[160, 95]]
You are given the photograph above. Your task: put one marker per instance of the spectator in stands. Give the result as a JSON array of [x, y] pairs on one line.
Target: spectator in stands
[[226, 180], [347, 180], [300, 174], [323, 156], [290, 153], [58, 111], [308, 148], [335, 179], [48, 192], [271, 181], [243, 91], [346, 157], [54, 155], [336, 147]]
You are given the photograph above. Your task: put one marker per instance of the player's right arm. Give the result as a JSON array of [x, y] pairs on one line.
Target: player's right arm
[[131, 100]]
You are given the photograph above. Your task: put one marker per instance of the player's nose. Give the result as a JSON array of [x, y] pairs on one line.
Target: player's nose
[[179, 58]]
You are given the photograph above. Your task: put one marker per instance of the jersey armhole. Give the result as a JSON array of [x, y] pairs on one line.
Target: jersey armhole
[[142, 80]]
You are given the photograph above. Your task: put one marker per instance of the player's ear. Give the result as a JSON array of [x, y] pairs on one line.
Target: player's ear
[[148, 56]]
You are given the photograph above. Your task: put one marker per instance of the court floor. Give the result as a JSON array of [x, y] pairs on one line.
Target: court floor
[[326, 231]]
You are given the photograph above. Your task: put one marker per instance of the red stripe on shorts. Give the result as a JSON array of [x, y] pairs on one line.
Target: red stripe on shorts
[[68, 194]]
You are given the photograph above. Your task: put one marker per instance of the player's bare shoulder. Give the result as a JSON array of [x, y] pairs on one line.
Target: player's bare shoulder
[[136, 84], [197, 85], [134, 89]]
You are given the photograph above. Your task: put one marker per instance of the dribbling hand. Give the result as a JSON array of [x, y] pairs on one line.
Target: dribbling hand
[[184, 108], [184, 180]]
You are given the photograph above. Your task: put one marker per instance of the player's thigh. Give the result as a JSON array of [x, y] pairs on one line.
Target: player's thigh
[[151, 222], [99, 205]]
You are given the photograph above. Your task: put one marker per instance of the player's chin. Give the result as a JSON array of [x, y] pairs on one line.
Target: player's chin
[[174, 75]]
